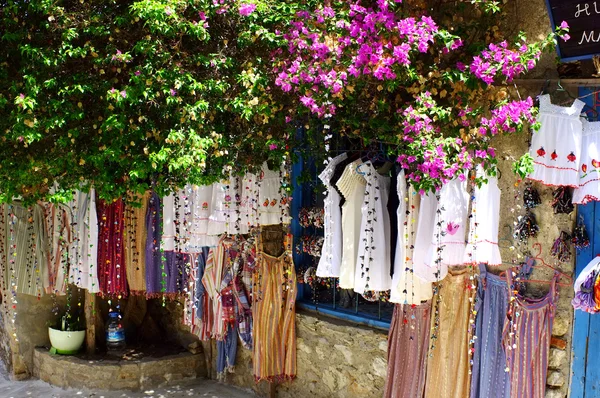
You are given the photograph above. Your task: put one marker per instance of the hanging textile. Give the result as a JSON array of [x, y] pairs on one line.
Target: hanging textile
[[26, 245], [373, 263], [153, 256], [556, 147], [112, 274], [274, 313], [453, 208], [331, 254], [407, 288], [201, 208], [484, 223], [352, 186], [176, 270], [526, 340], [83, 269], [489, 377], [426, 226], [202, 319], [249, 204], [273, 205], [448, 361], [58, 229], [134, 237], [224, 217], [408, 341], [588, 186]]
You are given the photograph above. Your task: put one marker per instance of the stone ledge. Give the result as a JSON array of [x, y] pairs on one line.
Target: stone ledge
[[134, 375]]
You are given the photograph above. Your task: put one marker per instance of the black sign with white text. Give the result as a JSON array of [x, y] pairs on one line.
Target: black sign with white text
[[583, 18]]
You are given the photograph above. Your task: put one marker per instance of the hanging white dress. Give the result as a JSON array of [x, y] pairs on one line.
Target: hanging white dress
[[168, 216], [83, 270], [225, 207], [273, 205], [556, 146], [454, 206], [373, 261], [352, 186], [331, 252], [425, 230], [483, 237], [407, 288], [249, 203], [588, 188], [201, 208]]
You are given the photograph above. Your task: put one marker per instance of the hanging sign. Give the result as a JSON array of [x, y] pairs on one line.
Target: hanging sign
[[583, 18]]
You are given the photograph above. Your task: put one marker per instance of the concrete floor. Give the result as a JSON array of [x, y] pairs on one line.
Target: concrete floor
[[39, 389]]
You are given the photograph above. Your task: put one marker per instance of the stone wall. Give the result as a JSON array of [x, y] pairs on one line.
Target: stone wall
[[335, 359]]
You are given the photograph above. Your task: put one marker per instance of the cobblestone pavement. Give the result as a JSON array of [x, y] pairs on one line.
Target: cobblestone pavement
[[39, 389]]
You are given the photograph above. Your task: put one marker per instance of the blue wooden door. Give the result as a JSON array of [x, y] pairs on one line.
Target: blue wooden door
[[586, 331]]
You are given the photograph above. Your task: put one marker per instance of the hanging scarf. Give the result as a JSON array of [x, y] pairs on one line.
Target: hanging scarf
[[111, 257], [153, 254]]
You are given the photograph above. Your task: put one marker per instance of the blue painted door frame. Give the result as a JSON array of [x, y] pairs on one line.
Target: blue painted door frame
[[585, 367]]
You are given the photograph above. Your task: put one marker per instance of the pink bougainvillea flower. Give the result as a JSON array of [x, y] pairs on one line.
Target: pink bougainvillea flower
[[173, 92], [273, 147], [247, 9], [123, 94]]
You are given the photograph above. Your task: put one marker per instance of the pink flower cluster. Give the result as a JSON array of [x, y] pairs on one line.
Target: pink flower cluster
[[508, 118], [321, 62], [498, 59]]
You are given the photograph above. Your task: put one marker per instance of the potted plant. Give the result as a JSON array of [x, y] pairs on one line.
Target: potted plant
[[66, 335]]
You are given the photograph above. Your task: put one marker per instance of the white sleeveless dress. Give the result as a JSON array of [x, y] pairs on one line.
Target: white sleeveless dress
[[589, 171], [373, 262], [352, 186], [556, 147], [331, 252], [407, 288], [454, 205], [425, 231], [483, 237]]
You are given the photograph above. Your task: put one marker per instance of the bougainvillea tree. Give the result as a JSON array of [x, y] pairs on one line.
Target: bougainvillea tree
[[128, 95]]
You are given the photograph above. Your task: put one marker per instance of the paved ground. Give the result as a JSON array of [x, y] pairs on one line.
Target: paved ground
[[39, 389]]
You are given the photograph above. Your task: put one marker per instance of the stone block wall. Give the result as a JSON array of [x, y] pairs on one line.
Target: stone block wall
[[334, 359]]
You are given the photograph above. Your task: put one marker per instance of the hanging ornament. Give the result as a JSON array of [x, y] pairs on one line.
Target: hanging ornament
[[531, 197], [563, 200], [526, 227], [580, 236], [561, 249]]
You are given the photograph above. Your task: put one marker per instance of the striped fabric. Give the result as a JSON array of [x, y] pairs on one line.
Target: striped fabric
[[274, 317], [448, 362], [526, 341], [153, 255], [26, 245], [407, 351], [489, 378], [212, 281], [135, 243], [58, 227]]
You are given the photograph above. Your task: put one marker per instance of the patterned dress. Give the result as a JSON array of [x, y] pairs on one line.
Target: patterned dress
[[274, 315]]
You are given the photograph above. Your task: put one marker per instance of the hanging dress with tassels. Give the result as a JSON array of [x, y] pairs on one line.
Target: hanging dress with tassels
[[526, 340], [274, 315]]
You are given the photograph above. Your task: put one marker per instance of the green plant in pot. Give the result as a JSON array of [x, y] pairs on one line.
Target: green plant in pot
[[67, 334]]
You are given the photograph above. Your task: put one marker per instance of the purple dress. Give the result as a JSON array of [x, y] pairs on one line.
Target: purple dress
[[153, 253], [489, 378]]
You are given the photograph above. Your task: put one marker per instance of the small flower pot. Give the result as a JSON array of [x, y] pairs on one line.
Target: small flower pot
[[66, 342]]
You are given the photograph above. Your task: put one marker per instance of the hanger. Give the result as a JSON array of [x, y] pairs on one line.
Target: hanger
[[538, 259]]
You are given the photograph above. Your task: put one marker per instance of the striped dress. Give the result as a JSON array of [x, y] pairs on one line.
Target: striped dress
[[135, 242], [26, 246], [526, 340], [489, 378], [274, 316], [448, 362], [111, 257], [407, 351]]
